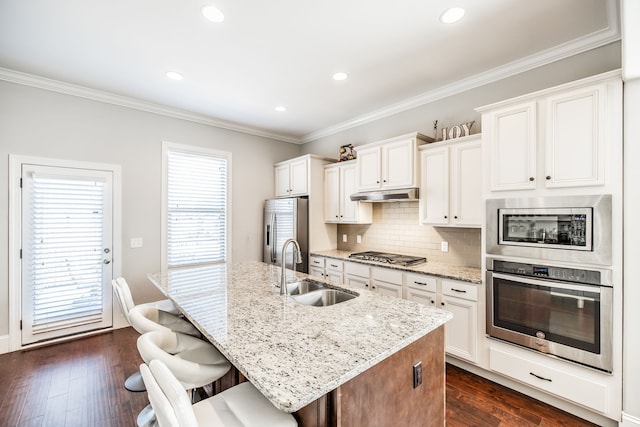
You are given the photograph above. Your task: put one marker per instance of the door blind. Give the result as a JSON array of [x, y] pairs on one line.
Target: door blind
[[196, 209], [66, 244]]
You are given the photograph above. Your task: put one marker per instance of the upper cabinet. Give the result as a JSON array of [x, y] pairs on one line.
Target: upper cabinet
[[339, 184], [389, 164], [451, 183], [557, 138], [294, 177]]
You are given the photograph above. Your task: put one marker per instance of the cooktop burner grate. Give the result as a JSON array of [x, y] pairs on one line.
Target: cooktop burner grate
[[388, 258]]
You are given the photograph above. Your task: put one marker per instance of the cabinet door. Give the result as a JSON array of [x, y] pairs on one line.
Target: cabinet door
[[575, 140], [466, 184], [368, 164], [422, 297], [331, 194], [356, 281], [335, 276], [461, 331], [398, 159], [282, 180], [316, 272], [385, 288], [434, 191], [348, 209], [299, 177], [513, 147]]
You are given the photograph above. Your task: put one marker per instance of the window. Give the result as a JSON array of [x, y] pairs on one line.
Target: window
[[196, 208]]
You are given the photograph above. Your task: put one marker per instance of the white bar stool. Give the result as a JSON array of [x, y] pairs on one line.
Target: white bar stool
[[239, 406]]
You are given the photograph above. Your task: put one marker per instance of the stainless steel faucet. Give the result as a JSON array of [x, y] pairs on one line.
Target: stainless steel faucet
[[297, 258]]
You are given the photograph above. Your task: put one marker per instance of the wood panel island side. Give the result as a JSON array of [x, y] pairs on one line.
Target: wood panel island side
[[349, 364]]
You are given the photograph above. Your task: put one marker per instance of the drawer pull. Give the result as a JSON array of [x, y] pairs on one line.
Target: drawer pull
[[334, 266], [459, 290], [420, 283], [539, 377]]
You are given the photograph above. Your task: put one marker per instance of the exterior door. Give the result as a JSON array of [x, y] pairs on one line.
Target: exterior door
[[66, 236]]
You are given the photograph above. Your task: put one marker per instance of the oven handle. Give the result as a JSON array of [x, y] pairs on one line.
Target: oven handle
[[548, 283]]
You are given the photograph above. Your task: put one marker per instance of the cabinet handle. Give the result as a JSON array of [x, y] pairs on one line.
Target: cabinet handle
[[455, 217], [442, 304], [531, 178], [539, 377], [334, 266], [377, 182], [420, 283], [336, 216], [548, 177], [459, 290], [384, 180], [445, 217]]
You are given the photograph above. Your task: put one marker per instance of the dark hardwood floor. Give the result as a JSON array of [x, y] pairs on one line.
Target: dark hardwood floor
[[80, 383]]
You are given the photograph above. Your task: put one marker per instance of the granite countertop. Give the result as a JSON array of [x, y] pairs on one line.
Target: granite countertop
[[293, 353], [447, 271]]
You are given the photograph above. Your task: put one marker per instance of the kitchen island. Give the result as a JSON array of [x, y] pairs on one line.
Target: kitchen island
[[343, 365]]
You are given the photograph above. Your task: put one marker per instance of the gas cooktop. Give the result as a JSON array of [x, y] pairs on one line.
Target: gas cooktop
[[388, 258]]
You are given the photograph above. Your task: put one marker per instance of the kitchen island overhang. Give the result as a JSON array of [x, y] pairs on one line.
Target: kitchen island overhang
[[294, 353]]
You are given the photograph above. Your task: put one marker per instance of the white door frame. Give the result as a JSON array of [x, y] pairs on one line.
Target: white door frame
[[15, 226]]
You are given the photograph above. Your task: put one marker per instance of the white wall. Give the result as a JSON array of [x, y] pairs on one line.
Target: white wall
[[631, 76], [459, 108], [36, 122]]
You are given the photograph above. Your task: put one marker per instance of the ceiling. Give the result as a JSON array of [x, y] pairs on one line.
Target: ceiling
[[284, 52]]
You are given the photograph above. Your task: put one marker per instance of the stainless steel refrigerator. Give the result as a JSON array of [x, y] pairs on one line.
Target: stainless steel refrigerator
[[286, 218]]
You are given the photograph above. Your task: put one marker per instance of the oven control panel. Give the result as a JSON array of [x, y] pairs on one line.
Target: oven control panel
[[565, 274]]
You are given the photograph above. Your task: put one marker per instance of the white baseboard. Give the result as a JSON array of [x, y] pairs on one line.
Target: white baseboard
[[4, 344], [629, 421]]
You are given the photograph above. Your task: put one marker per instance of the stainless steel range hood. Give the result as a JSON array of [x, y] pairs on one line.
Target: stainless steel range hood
[[400, 195]]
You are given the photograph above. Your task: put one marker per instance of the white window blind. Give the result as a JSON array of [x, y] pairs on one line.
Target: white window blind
[[66, 244], [196, 208]]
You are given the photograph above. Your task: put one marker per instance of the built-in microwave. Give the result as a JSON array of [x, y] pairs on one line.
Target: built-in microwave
[[568, 229]]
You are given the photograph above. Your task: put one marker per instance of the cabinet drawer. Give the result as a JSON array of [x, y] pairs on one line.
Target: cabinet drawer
[[316, 261], [460, 290], [356, 269], [582, 390], [421, 282], [387, 275], [333, 264]]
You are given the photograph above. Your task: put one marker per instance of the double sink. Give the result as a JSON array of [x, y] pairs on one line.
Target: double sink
[[317, 294]]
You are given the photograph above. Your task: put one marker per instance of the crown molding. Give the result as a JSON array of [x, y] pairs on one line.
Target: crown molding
[[136, 104], [607, 35]]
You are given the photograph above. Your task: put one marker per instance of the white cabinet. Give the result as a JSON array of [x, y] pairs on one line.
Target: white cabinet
[[333, 270], [386, 281], [461, 336], [339, 184], [451, 183], [357, 275], [422, 289], [389, 164], [316, 266], [556, 138], [292, 177]]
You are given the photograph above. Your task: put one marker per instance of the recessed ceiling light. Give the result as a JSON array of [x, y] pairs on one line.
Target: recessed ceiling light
[[212, 13], [174, 75], [452, 15], [340, 76], [281, 108]]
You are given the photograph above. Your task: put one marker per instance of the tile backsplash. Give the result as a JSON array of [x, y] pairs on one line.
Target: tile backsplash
[[396, 229]]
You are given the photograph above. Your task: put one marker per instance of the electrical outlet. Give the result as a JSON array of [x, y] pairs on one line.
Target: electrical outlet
[[417, 374], [444, 246], [358, 238], [344, 238], [136, 242]]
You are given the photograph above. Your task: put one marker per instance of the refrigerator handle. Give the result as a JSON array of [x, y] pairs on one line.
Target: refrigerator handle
[[274, 238]]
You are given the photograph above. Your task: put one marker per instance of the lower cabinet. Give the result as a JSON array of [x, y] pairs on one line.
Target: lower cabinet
[[386, 281], [460, 298]]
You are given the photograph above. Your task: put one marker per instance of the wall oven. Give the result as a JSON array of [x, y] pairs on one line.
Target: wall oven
[[561, 311], [574, 229]]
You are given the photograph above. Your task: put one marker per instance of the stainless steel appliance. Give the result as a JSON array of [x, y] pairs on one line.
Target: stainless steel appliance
[[388, 258], [561, 311], [286, 218], [573, 229]]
